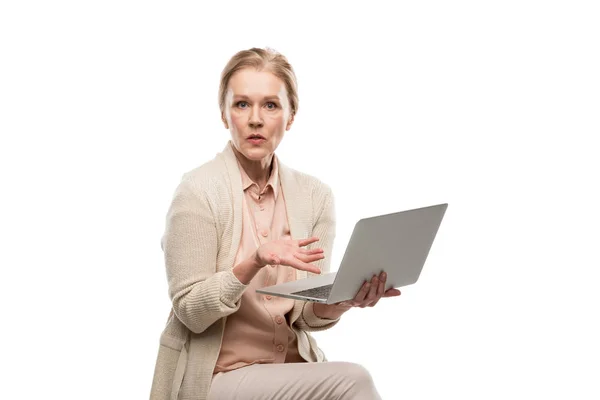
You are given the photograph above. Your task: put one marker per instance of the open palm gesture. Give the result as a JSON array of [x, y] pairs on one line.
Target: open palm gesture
[[291, 253]]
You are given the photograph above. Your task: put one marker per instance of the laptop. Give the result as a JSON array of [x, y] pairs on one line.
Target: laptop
[[396, 243]]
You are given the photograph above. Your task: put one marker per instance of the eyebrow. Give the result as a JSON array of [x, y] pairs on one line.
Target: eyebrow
[[243, 96]]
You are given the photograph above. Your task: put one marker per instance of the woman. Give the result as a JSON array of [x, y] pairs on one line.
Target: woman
[[244, 221]]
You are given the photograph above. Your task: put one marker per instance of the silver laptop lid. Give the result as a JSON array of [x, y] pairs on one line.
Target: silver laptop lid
[[396, 243]]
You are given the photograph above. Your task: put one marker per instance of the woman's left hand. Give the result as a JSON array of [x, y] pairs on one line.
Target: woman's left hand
[[369, 294]]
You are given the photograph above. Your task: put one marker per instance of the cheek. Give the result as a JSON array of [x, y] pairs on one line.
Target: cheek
[[237, 120], [276, 120]]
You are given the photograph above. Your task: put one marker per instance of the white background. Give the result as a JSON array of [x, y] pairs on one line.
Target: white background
[[492, 107]]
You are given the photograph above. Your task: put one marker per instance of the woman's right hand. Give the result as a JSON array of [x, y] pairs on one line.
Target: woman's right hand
[[291, 253]]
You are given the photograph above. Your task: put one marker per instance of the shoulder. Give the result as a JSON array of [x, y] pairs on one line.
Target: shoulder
[[309, 183], [313, 189], [206, 179]]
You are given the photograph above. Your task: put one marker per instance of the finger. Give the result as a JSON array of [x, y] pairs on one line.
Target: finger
[[308, 258], [392, 293], [309, 268], [299, 264], [380, 289], [312, 251], [372, 295], [362, 293], [306, 242]]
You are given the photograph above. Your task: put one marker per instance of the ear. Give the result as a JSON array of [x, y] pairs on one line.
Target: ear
[[224, 120], [290, 122]]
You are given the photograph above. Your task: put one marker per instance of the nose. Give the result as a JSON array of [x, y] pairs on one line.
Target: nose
[[255, 118]]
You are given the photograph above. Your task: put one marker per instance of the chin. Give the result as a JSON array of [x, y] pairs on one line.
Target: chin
[[255, 154]]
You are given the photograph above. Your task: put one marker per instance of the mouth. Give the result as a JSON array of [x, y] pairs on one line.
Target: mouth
[[256, 137]]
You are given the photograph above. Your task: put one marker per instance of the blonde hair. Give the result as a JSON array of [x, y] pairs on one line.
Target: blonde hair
[[260, 59]]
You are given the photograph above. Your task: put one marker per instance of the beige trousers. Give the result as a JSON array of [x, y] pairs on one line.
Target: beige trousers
[[295, 381]]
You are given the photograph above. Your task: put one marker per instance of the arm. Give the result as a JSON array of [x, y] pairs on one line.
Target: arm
[[312, 318], [199, 294]]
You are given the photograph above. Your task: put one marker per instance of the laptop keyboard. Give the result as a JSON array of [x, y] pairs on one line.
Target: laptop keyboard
[[321, 292]]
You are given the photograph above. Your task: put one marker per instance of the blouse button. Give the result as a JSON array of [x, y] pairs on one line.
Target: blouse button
[[264, 232], [280, 348], [278, 319], [268, 297]]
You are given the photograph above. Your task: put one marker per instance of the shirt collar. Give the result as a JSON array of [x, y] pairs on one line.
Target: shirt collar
[[273, 181]]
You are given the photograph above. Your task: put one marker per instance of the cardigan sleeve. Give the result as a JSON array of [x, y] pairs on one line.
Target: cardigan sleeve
[[200, 295], [324, 229]]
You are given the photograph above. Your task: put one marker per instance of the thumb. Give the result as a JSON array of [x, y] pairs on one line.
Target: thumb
[[274, 258]]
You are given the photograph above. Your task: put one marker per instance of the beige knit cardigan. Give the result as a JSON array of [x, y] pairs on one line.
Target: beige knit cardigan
[[202, 235]]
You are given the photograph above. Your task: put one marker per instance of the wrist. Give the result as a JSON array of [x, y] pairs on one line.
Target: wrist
[[328, 311], [255, 261], [247, 269]]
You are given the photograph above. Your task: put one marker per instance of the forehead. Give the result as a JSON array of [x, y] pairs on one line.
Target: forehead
[[252, 83]]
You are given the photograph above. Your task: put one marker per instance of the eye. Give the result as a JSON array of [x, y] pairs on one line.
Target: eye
[[241, 104], [271, 106]]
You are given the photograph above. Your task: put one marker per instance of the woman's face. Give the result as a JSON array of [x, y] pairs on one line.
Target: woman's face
[[257, 112]]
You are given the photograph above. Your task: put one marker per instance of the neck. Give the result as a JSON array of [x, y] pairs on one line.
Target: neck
[[259, 171]]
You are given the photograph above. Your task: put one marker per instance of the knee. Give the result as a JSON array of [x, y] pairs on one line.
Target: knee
[[360, 382], [357, 373]]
